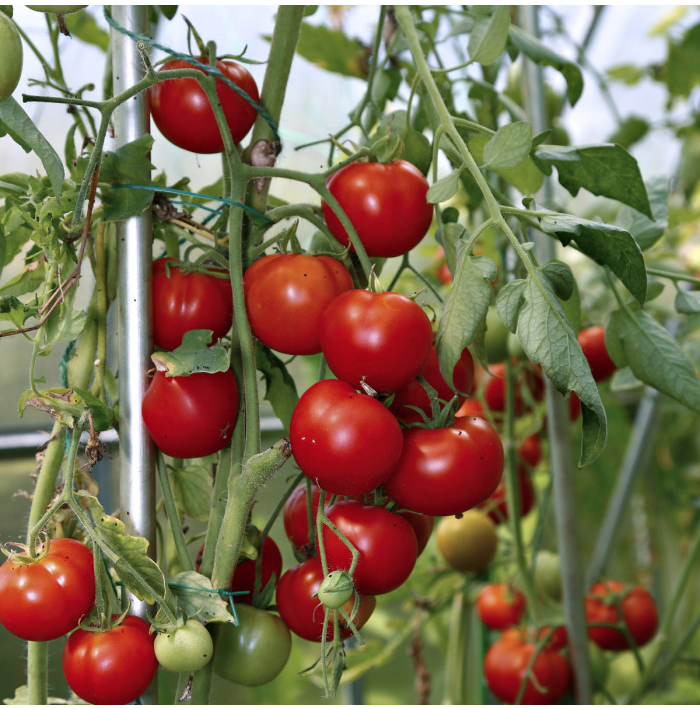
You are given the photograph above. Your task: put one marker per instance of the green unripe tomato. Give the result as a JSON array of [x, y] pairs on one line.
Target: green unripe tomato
[[496, 338], [599, 665], [255, 651], [10, 56], [336, 589], [184, 649], [548, 574], [57, 9]]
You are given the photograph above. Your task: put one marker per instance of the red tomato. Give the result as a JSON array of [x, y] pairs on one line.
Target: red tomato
[[45, 599], [188, 301], [285, 295], [639, 614], [446, 471], [381, 339], [244, 574], [530, 450], [499, 606], [506, 666], [495, 388], [574, 406], [193, 416], [301, 610], [296, 516], [592, 341], [558, 637], [347, 443], [385, 203], [386, 542], [414, 394], [182, 112], [111, 667], [422, 526], [471, 407], [497, 507]]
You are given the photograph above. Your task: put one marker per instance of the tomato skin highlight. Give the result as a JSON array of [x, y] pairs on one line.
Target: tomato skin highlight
[[386, 542], [446, 471], [188, 301], [192, 416], [592, 341], [182, 113], [286, 295], [111, 667], [639, 614], [386, 203], [506, 664], [379, 339], [346, 442], [45, 600]]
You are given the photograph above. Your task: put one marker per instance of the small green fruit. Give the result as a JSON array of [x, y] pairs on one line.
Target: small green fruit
[[10, 56]]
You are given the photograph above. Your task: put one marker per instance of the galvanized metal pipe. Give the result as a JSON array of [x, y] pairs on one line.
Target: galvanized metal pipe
[[558, 428], [136, 461]]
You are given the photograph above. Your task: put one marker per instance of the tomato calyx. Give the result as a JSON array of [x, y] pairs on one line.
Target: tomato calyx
[[105, 621]]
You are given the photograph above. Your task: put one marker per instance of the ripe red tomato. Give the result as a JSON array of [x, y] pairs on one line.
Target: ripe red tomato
[[285, 295], [592, 341], [446, 471], [45, 599], [639, 614], [385, 203], [386, 542], [528, 386], [530, 450], [506, 667], [181, 110], [244, 574], [295, 516], [111, 667], [188, 301], [422, 526], [301, 610], [471, 407], [346, 442], [193, 416], [499, 606], [497, 507], [381, 339], [414, 394]]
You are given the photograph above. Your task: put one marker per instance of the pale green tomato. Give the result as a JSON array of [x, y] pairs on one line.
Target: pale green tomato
[[184, 649], [547, 574], [10, 56], [57, 9]]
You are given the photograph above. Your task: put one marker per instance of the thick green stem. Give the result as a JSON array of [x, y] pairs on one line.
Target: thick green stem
[[241, 495], [37, 672]]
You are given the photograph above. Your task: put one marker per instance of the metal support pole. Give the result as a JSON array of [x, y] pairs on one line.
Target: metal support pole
[[136, 462], [558, 429]]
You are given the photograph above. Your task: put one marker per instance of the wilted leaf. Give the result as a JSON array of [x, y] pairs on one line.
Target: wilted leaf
[[196, 596]]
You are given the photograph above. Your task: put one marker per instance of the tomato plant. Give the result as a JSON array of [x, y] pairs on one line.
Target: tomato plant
[[500, 605], [385, 541], [347, 443], [244, 575], [10, 56], [191, 416], [181, 110], [507, 667], [592, 341], [184, 300], [297, 517], [285, 296], [186, 648], [113, 666], [637, 613], [255, 651], [467, 542], [496, 506], [44, 598], [378, 339], [386, 204], [445, 471]]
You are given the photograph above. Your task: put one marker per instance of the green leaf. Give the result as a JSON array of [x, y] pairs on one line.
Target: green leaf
[[541, 54], [604, 170], [280, 387], [332, 50], [509, 147], [655, 358], [548, 339], [682, 70], [607, 244], [193, 490], [645, 231], [65, 323], [17, 124], [445, 188], [168, 11], [526, 177], [629, 74], [196, 596], [488, 38], [129, 164], [101, 415], [631, 130], [687, 302], [137, 571], [561, 278], [31, 277], [83, 26], [465, 308], [194, 355], [12, 309]]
